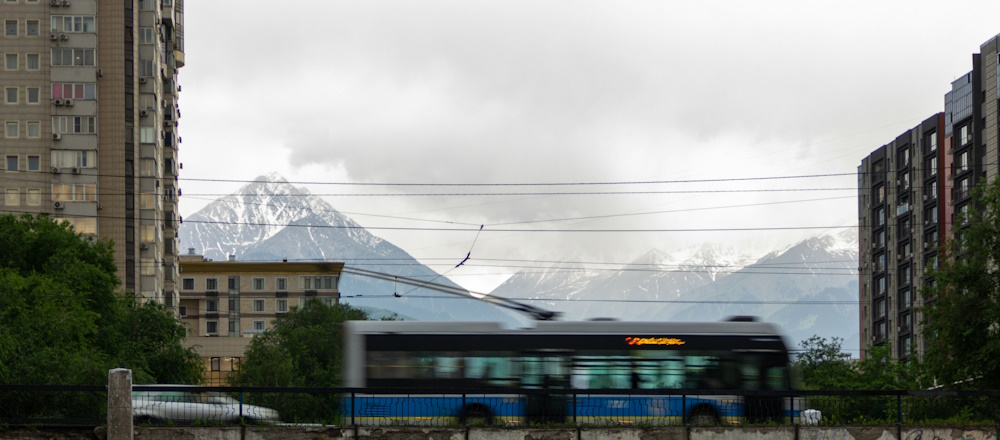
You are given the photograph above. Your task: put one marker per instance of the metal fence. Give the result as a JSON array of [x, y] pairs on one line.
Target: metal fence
[[86, 406]]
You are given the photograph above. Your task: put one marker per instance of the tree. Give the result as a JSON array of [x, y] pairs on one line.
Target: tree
[[66, 322], [962, 305], [303, 349], [823, 366]]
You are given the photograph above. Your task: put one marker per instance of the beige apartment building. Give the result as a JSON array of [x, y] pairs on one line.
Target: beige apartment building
[[90, 119], [225, 303]]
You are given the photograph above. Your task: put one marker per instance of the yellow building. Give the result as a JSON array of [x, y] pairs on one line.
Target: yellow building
[[226, 303]]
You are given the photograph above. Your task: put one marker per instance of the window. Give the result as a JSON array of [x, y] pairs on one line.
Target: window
[[73, 23], [146, 68], [233, 328], [211, 305], [78, 192], [34, 197], [318, 282], [258, 326], [10, 95], [34, 163], [147, 35], [147, 266], [12, 197], [212, 327], [147, 234], [66, 56], [212, 284], [74, 90], [10, 61], [963, 161], [147, 201], [147, 167], [147, 5], [281, 284], [964, 135], [12, 163], [147, 135], [31, 61], [183, 311], [10, 28], [328, 301], [31, 28], [880, 286], [281, 305], [216, 364], [33, 129], [74, 158], [33, 95], [258, 305], [74, 124], [879, 308], [932, 140], [258, 284], [906, 298], [80, 225], [187, 284]]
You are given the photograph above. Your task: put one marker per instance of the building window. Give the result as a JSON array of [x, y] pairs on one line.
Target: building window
[[146, 68], [147, 266], [80, 225], [147, 234], [212, 284], [328, 301], [281, 284], [31, 61], [258, 326], [212, 327], [147, 167], [280, 305], [33, 95], [34, 163], [10, 28], [879, 308], [258, 305], [64, 56], [187, 284], [80, 192], [233, 328], [31, 28], [73, 23], [147, 5], [10, 95], [33, 129], [258, 284], [211, 305], [147, 35], [34, 197], [216, 364], [74, 124], [906, 299], [183, 311], [74, 91], [147, 201], [964, 135], [10, 61], [318, 282], [12, 197], [12, 129], [12, 163], [147, 135], [74, 158]]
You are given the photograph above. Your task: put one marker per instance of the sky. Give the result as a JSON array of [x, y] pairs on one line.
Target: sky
[[649, 124]]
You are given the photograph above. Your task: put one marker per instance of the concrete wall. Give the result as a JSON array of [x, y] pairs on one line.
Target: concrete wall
[[431, 433]]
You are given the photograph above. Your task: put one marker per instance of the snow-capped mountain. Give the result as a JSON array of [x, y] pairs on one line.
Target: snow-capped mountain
[[271, 220], [809, 288]]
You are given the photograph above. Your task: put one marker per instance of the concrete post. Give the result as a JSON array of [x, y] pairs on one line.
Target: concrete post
[[120, 404]]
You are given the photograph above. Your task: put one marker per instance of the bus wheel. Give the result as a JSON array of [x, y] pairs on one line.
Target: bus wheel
[[703, 416], [476, 414]]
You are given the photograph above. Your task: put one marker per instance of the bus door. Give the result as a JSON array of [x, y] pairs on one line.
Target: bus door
[[547, 371]]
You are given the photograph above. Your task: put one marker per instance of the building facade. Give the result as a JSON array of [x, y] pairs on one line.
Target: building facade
[[90, 122], [912, 192], [224, 304]]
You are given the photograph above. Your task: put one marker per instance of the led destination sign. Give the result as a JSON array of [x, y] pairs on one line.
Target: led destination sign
[[633, 340]]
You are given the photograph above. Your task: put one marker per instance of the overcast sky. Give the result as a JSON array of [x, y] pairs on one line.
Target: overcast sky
[[516, 92]]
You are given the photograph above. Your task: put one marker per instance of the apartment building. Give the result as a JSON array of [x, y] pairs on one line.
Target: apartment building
[[911, 191], [90, 117], [225, 303]]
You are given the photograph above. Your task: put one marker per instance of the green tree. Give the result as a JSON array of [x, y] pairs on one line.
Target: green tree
[[303, 349], [962, 306], [823, 366], [66, 322]]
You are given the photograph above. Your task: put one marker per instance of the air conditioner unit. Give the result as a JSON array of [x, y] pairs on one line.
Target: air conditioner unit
[[53, 36], [76, 170], [69, 103], [58, 102], [142, 80], [56, 136], [143, 113], [56, 170], [54, 2], [65, 2], [64, 37], [58, 205], [143, 246]]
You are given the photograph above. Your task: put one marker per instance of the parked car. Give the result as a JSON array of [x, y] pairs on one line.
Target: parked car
[[178, 405]]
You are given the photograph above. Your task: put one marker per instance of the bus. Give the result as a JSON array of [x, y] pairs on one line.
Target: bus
[[587, 372]]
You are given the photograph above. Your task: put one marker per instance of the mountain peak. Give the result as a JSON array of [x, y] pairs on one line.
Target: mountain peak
[[272, 177]]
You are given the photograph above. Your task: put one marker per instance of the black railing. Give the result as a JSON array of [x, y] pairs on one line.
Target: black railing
[[43, 405]]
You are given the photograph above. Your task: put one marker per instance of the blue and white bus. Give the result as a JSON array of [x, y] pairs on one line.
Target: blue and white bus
[[589, 372]]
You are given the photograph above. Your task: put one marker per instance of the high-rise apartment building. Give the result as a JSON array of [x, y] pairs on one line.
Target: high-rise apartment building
[[912, 191], [90, 121]]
